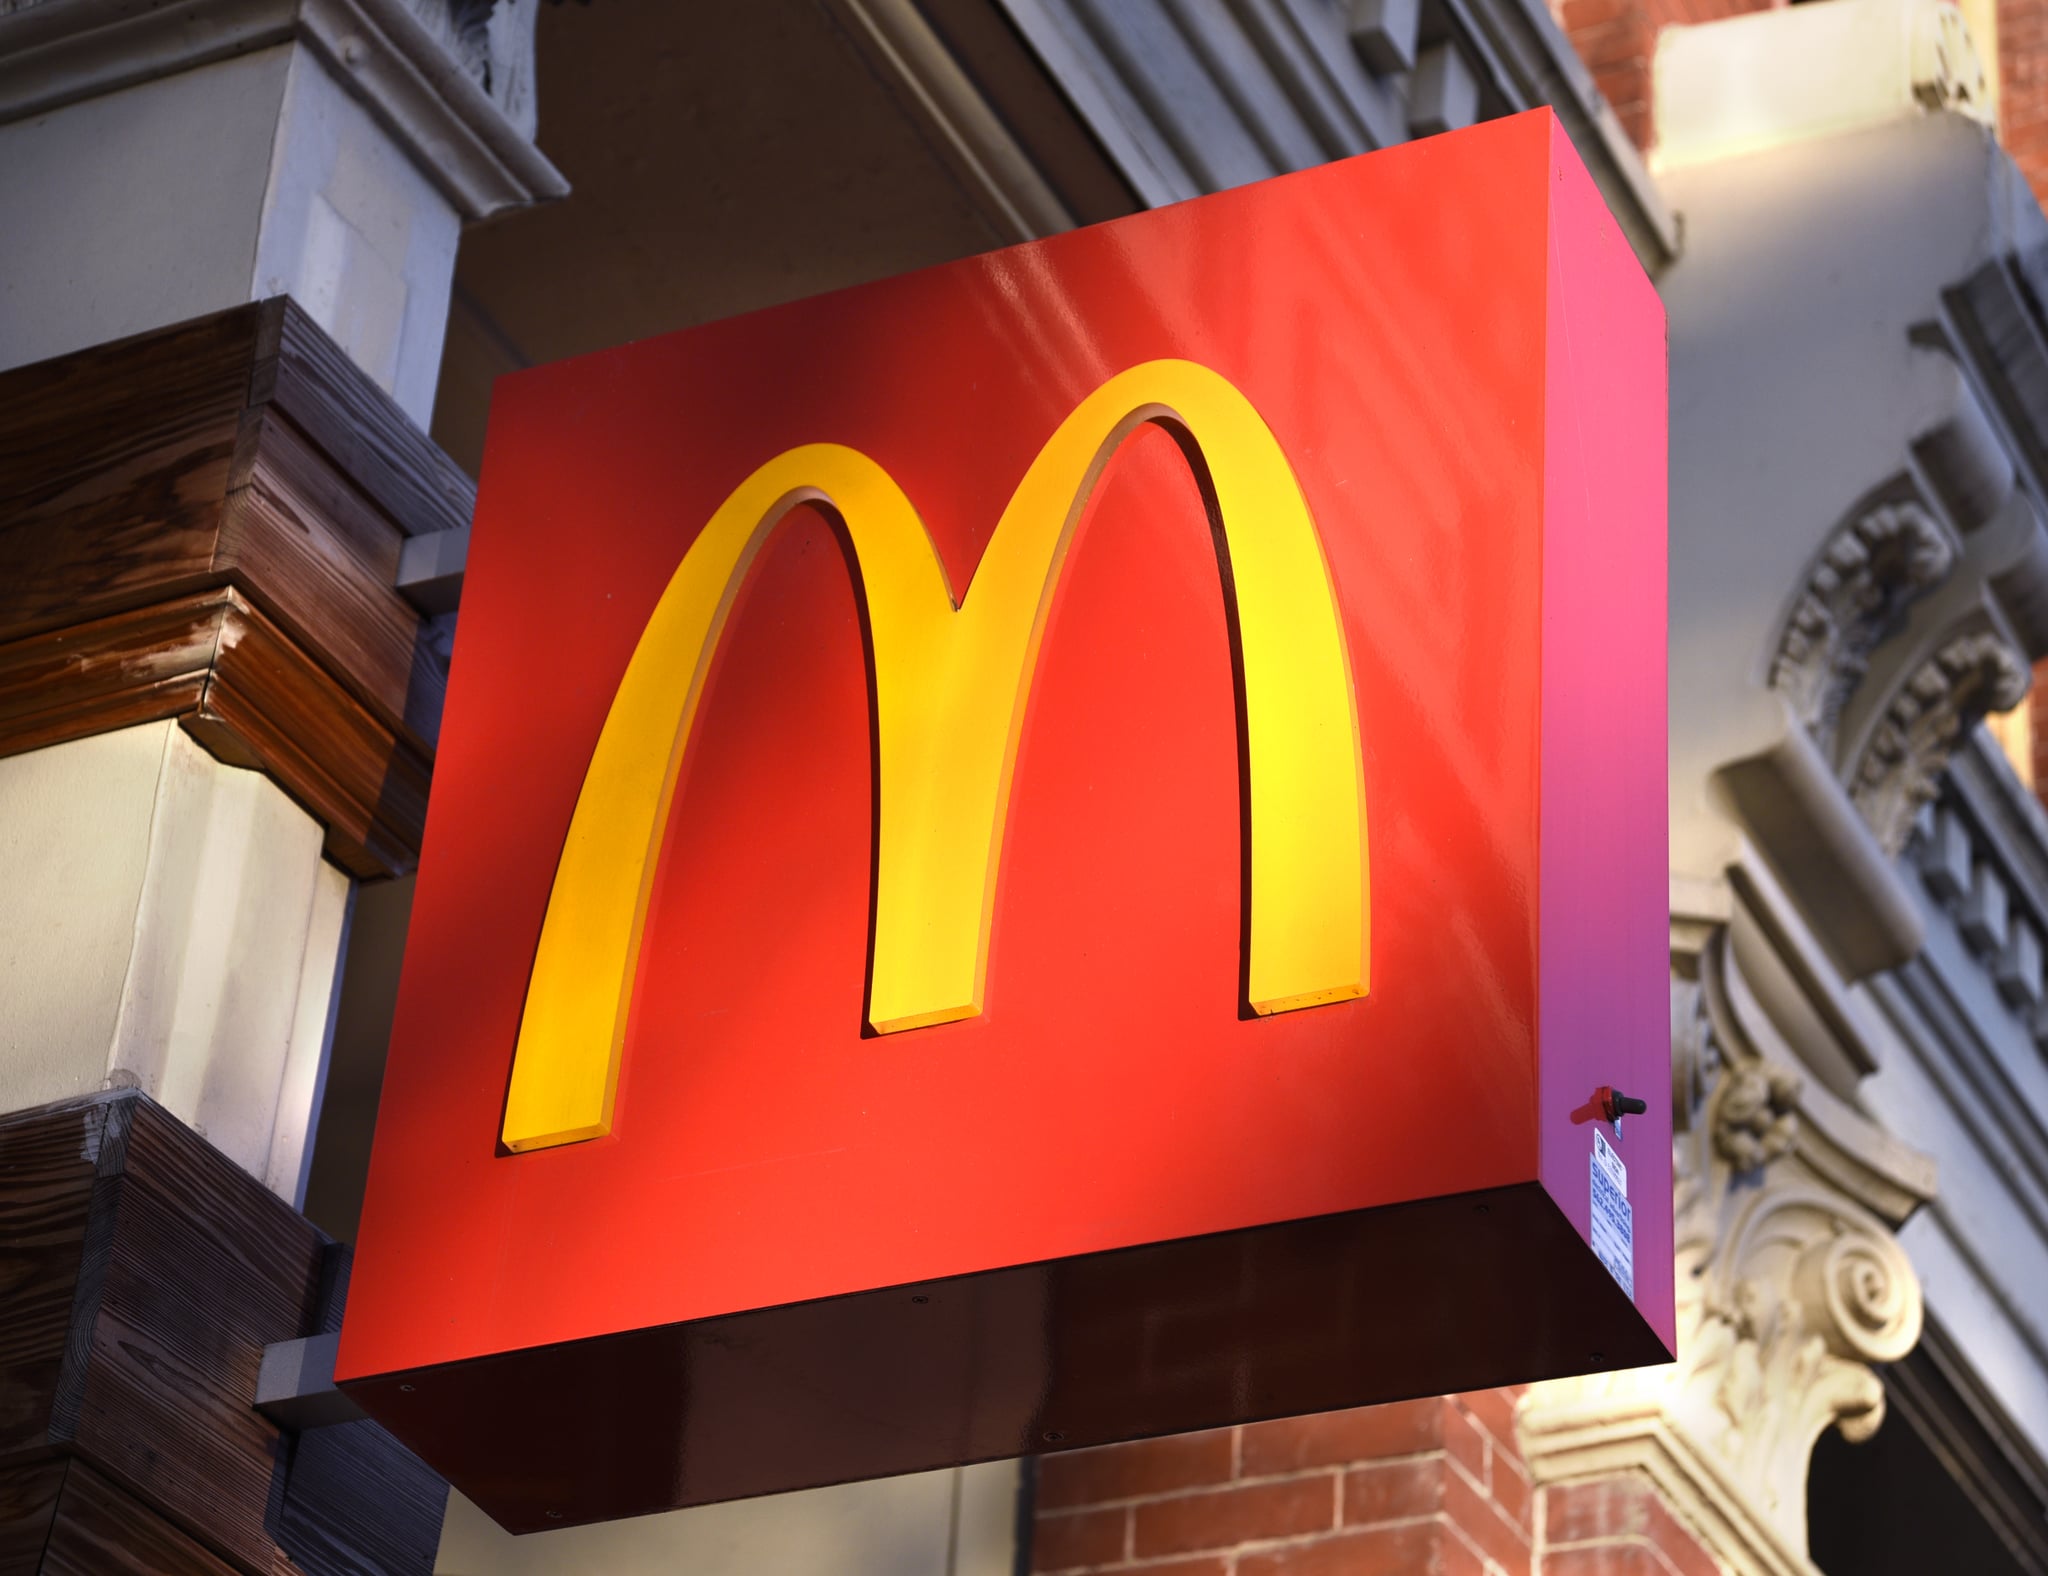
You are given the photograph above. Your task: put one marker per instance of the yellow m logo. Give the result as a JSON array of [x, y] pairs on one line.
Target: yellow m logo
[[951, 680]]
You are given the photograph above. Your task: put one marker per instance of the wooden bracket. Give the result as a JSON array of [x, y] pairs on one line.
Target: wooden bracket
[[148, 1280], [206, 522]]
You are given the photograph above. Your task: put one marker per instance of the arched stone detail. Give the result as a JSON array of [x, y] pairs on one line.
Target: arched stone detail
[[1899, 771], [1874, 564]]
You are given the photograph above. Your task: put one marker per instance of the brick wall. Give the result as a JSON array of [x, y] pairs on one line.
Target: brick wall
[[2023, 129], [1434, 1487], [1421, 1488], [1617, 1526], [2023, 87]]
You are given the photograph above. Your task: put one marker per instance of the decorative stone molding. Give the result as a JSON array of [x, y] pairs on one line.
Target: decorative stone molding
[[1976, 852], [492, 40], [1866, 574], [1789, 1290], [1946, 70], [1900, 770], [952, 103], [1193, 99], [466, 117], [1729, 89], [1754, 1121]]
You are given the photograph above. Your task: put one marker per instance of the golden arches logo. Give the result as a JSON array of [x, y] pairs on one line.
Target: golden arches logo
[[952, 678]]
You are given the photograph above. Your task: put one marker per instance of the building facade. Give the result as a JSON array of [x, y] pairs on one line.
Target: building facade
[[259, 262]]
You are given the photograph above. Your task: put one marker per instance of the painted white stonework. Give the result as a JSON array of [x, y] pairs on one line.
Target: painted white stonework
[[1763, 80], [167, 923], [135, 209], [160, 163], [241, 179], [960, 1522], [358, 236]]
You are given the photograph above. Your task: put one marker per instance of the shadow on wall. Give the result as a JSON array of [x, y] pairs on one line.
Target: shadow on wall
[[355, 1075], [957, 1522]]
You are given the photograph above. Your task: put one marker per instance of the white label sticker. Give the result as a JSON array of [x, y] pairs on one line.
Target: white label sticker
[[1605, 1157], [1614, 1237]]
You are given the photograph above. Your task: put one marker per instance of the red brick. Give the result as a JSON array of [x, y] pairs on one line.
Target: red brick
[[1207, 1565], [1677, 1543], [1223, 1518], [1486, 1525], [1367, 1433], [1607, 1559], [1625, 83], [1512, 1492], [1690, 13], [1077, 1537], [1148, 1466], [1494, 1411], [2023, 125], [1394, 1491], [1416, 1549], [1604, 1508], [1460, 1557], [1592, 13], [1464, 1443], [1615, 47]]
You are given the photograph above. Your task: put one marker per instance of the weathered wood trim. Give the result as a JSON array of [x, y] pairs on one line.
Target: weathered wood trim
[[29, 1491], [204, 522], [141, 1275], [248, 693], [98, 1530], [45, 1203], [269, 705], [111, 673], [359, 427]]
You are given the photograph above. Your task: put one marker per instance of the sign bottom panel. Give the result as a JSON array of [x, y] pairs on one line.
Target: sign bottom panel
[[1447, 1294]]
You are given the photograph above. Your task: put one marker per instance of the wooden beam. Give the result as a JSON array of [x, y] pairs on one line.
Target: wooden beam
[[97, 1530], [236, 480], [144, 1273], [29, 1491]]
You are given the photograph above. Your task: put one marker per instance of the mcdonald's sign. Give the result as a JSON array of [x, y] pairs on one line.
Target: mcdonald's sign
[[1058, 848]]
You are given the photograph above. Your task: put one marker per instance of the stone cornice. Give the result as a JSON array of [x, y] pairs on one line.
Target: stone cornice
[[1875, 562], [57, 52], [1939, 702], [1534, 63], [1171, 117], [965, 127]]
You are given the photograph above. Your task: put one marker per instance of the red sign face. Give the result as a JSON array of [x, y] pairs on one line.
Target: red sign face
[[1138, 953]]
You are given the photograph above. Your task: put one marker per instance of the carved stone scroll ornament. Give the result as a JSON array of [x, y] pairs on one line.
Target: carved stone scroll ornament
[[1947, 71], [1900, 769], [1788, 1292], [1870, 569]]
